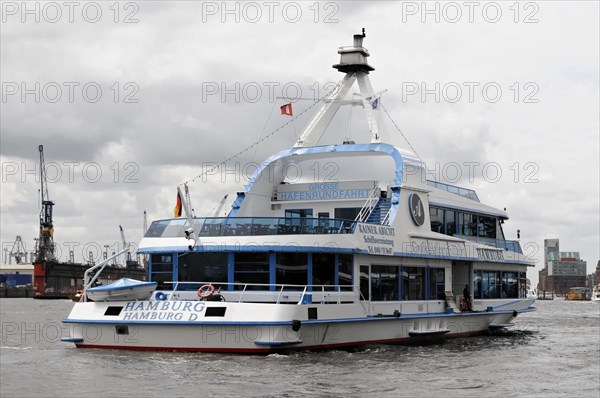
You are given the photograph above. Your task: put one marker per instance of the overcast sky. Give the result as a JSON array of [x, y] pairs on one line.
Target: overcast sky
[[131, 100]]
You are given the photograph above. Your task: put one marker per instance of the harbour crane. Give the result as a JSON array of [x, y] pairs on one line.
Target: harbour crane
[[220, 206], [18, 251], [130, 262], [45, 250]]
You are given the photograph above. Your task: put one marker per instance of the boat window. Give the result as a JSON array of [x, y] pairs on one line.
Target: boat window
[[477, 284], [499, 231], [384, 282], [413, 283], [510, 285], [212, 227], [522, 285], [113, 310], [157, 228], [346, 213], [215, 311], [499, 284], [449, 222], [323, 270], [291, 269], [437, 219], [467, 224], [486, 227], [364, 282], [251, 267], [491, 284], [298, 213], [436, 284], [296, 219], [345, 271], [162, 263], [175, 227], [161, 269], [202, 267]]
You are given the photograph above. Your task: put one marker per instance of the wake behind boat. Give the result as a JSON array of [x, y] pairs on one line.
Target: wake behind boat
[[377, 254]]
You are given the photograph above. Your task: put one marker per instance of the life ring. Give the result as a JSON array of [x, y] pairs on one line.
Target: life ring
[[160, 296], [206, 291]]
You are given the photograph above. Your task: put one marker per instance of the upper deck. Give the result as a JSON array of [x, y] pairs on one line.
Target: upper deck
[[249, 226]]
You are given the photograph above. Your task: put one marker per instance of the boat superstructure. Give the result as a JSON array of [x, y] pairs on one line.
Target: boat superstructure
[[371, 252]]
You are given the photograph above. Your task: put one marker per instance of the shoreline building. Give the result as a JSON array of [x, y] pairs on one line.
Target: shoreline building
[[562, 270]]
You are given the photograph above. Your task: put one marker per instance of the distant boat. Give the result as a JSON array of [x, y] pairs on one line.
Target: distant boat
[[596, 293], [577, 294], [532, 294], [76, 297]]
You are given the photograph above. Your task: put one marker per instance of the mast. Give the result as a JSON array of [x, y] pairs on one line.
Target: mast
[[46, 240], [145, 226], [353, 62]]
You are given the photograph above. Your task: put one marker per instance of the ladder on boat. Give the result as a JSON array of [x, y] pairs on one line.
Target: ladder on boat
[[451, 302]]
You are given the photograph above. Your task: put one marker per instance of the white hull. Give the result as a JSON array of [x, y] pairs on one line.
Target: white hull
[[189, 329]]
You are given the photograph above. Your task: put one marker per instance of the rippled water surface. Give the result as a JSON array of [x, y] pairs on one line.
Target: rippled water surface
[[554, 351]]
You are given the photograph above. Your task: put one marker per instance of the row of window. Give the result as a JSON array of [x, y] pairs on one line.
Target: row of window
[[340, 213], [392, 283], [499, 284], [255, 268], [377, 282], [451, 222]]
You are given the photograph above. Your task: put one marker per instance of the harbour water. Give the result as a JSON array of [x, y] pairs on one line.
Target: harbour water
[[554, 351]]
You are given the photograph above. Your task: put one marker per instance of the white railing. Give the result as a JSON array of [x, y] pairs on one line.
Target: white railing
[[386, 218], [368, 207], [325, 294]]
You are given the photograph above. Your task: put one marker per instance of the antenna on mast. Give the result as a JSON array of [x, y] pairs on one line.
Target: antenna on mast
[[353, 62]]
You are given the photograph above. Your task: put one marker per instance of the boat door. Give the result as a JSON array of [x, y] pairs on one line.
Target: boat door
[[365, 282]]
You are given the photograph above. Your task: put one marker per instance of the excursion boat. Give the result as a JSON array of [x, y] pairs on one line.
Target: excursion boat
[[577, 294], [596, 293], [371, 252]]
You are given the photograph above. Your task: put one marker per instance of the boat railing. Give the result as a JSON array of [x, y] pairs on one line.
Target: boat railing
[[386, 218], [301, 294], [88, 282], [510, 245], [464, 192], [368, 207], [249, 226]]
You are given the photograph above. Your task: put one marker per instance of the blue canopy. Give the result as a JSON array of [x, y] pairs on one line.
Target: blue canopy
[[121, 284]]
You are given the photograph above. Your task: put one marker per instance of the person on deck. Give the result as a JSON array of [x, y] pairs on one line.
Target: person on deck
[[467, 297]]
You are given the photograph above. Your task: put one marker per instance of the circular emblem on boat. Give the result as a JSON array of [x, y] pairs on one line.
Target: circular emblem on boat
[[417, 212], [160, 296]]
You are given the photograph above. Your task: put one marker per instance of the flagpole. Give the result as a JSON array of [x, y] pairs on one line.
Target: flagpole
[[191, 234]]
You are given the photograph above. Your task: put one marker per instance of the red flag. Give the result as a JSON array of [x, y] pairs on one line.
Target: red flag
[[286, 109], [178, 206]]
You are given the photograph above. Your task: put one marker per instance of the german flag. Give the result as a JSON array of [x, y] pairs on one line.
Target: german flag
[[286, 109], [178, 206]]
